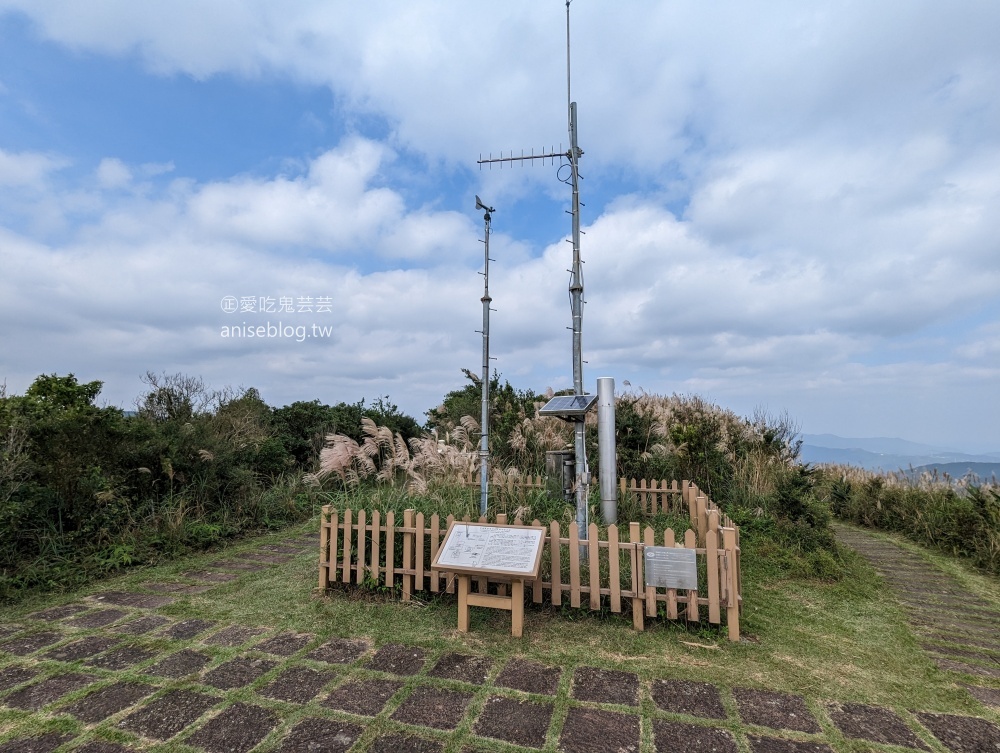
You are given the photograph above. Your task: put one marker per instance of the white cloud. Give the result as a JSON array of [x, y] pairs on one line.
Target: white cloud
[[28, 169]]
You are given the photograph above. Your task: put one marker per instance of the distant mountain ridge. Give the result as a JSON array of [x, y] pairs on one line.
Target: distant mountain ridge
[[891, 454]]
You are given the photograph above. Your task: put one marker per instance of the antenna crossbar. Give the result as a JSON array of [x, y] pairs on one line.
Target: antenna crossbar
[[551, 156]]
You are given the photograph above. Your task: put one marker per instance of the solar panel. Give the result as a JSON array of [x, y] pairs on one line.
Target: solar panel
[[568, 406]]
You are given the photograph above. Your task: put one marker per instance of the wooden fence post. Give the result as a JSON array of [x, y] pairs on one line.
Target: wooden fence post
[[345, 569], [691, 542], [407, 568], [732, 605], [637, 580], [324, 548], [390, 549], [555, 556]]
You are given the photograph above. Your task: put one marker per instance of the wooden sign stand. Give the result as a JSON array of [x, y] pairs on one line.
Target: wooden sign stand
[[513, 553]]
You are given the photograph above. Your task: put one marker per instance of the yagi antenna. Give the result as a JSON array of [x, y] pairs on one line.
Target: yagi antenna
[[573, 155]]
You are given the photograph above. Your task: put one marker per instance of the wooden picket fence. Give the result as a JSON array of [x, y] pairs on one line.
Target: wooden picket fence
[[364, 548]]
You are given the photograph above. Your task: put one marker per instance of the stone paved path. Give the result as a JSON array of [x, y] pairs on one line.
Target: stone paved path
[[110, 674]]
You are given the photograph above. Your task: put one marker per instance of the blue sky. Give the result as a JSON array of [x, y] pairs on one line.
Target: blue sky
[[788, 206]]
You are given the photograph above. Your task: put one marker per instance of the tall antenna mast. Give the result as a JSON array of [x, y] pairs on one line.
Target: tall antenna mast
[[484, 443], [573, 155]]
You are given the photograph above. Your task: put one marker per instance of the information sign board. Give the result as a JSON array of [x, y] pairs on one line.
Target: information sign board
[[490, 548], [671, 567]]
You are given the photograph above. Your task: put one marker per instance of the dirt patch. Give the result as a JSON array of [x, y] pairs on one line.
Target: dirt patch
[[365, 697], [431, 707], [397, 659], [297, 685], [8, 630], [40, 744], [187, 629], [963, 653], [294, 550], [406, 744], [29, 644], [775, 710], [168, 715], [529, 677], [285, 644], [339, 651], [875, 724], [964, 640], [596, 731], [97, 619], [181, 664], [963, 734], [235, 635], [519, 722], [142, 625], [986, 696], [58, 613], [141, 601], [774, 745], [691, 738], [34, 697], [210, 577], [311, 735], [13, 676], [238, 673], [605, 686], [108, 701], [693, 698], [236, 730], [122, 658], [462, 667], [81, 649]]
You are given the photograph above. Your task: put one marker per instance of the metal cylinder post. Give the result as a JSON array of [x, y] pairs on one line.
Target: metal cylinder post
[[607, 449]]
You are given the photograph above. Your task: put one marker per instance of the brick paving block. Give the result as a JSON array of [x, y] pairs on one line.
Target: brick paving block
[[776, 745], [519, 722], [873, 723], [962, 667], [312, 734], [462, 667], [127, 599], [285, 644], [775, 710], [168, 715], [397, 743], [685, 697], [143, 625], [431, 707], [236, 730], [210, 577], [100, 746], [108, 701], [677, 737], [81, 649], [268, 559], [235, 635], [597, 731], [13, 676], [96, 619], [339, 651], [39, 744], [121, 658], [986, 696], [58, 613], [367, 697], [164, 588], [34, 697], [297, 685], [29, 644], [238, 673], [241, 565], [963, 734], [398, 659], [529, 677], [187, 629], [181, 664], [605, 686]]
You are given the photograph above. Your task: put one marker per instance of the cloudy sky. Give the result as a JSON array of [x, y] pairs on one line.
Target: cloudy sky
[[789, 205]]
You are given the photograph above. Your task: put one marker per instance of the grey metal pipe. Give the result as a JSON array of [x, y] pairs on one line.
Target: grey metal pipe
[[607, 449]]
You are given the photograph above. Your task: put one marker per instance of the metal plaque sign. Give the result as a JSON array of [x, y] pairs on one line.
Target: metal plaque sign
[[671, 567]]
